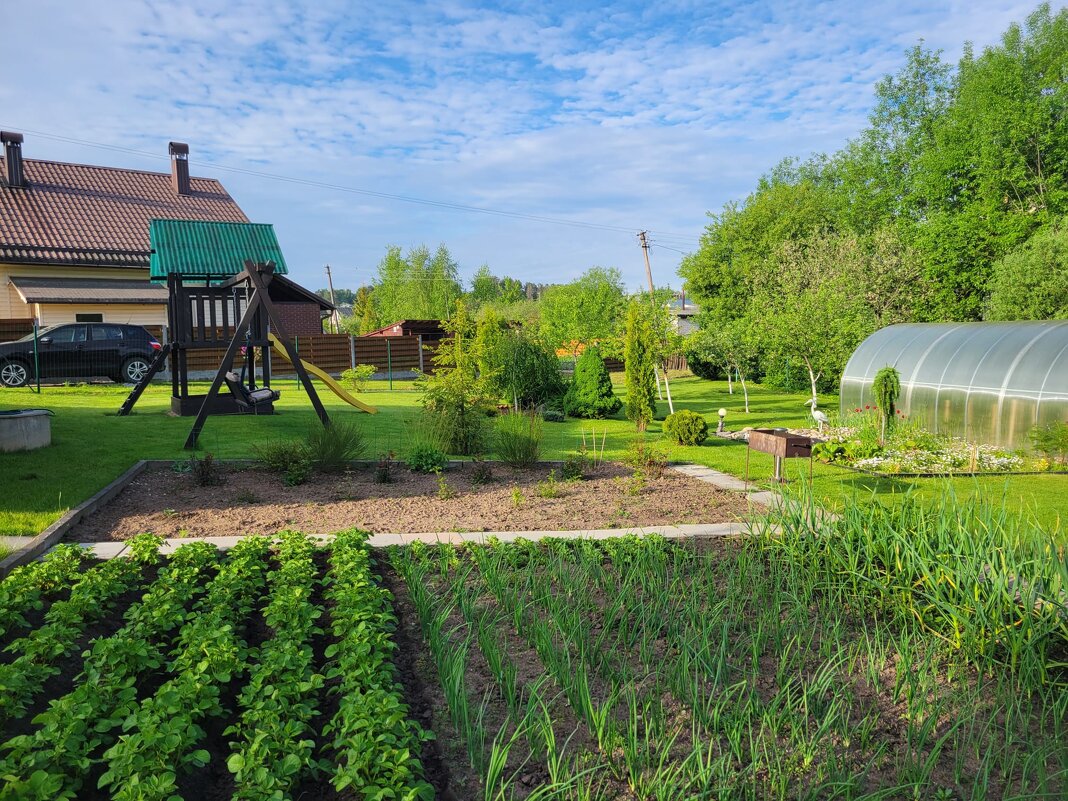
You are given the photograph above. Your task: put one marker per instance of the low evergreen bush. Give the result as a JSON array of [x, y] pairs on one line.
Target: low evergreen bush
[[686, 427]]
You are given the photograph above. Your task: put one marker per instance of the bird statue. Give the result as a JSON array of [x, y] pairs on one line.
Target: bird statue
[[821, 418]]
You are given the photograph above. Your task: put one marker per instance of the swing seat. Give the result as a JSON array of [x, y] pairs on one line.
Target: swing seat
[[249, 399]]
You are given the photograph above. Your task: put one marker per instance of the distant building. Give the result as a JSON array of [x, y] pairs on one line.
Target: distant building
[[429, 330], [684, 313]]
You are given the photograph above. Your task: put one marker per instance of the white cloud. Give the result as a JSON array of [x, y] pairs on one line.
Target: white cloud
[[631, 115]]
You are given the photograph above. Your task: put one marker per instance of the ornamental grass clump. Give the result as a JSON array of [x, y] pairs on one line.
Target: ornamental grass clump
[[518, 438], [333, 447]]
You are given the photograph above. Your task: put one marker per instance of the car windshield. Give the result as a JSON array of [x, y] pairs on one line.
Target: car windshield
[[40, 333]]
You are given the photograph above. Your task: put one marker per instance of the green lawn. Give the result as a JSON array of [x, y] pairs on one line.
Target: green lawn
[[92, 446]]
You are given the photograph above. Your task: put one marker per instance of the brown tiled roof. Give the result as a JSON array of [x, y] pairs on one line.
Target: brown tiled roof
[[97, 216]]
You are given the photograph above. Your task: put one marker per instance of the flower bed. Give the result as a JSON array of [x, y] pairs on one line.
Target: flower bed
[[908, 449]]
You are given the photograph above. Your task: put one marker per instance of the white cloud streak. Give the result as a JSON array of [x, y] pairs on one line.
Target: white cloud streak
[[629, 114]]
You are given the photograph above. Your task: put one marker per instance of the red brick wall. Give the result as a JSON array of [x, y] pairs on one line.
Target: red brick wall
[[300, 319]]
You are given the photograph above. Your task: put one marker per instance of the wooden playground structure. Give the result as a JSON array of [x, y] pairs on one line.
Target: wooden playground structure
[[235, 313]]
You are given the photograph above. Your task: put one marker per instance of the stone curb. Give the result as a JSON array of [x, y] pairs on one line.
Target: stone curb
[[111, 550], [55, 532]]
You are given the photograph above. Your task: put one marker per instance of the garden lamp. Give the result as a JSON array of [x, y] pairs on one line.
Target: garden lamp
[[722, 416]]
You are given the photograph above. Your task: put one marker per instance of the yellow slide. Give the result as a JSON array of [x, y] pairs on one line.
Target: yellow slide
[[325, 377]]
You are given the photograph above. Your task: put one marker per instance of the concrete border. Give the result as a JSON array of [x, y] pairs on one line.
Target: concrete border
[[112, 550], [55, 532]]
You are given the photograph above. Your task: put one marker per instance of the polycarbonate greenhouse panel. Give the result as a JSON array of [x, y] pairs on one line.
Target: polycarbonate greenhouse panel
[[987, 382]]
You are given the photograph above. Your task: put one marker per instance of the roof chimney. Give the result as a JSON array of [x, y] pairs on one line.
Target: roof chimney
[[180, 167], [13, 158]]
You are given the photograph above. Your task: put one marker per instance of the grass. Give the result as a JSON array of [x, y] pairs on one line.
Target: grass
[[92, 446]]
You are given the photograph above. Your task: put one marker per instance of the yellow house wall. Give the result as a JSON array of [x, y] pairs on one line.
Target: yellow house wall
[[134, 313], [12, 306]]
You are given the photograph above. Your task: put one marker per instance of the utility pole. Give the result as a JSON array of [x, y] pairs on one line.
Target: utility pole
[[334, 315], [652, 297], [648, 269]]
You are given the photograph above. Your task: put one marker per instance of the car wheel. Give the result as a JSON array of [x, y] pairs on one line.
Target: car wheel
[[134, 369], [14, 374]]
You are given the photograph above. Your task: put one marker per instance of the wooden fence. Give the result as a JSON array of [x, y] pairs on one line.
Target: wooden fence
[[333, 353], [15, 328]]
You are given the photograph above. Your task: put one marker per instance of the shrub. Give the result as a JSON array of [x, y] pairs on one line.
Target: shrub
[[686, 427], [288, 457], [1031, 281], [886, 387], [553, 416], [356, 378], [426, 458], [590, 392], [205, 471], [519, 438], [516, 366], [481, 473], [383, 472], [297, 473], [446, 491], [456, 397], [1051, 441], [330, 448], [647, 459], [701, 357], [549, 488], [576, 466]]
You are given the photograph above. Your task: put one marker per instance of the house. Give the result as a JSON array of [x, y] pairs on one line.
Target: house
[[683, 314], [429, 330], [74, 241]]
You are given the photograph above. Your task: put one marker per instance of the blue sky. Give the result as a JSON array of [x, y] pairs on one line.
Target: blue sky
[[615, 117]]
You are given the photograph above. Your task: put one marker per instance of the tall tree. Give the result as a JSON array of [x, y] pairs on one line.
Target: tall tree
[[416, 285], [1031, 282], [585, 311], [639, 360]]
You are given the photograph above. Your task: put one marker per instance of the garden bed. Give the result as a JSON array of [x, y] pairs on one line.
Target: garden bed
[[619, 669], [253, 501]]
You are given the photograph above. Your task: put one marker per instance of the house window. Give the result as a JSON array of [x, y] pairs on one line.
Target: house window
[[88, 318]]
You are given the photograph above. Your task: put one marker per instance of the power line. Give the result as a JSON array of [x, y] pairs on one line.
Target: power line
[[665, 247], [442, 204]]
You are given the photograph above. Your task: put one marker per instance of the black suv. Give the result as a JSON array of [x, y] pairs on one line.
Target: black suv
[[78, 350]]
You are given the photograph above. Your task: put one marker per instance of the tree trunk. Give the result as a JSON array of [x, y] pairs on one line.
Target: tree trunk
[[667, 388], [659, 392], [812, 378], [730, 384], [745, 391]]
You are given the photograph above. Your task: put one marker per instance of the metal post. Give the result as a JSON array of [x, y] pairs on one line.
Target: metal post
[[36, 361], [389, 363], [420, 353], [352, 351]]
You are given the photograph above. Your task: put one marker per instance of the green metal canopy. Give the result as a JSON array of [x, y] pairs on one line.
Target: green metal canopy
[[210, 250]]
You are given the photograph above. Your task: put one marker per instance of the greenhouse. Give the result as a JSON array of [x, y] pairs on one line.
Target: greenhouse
[[986, 382]]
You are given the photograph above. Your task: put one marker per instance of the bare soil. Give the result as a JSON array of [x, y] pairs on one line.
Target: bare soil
[[254, 501]]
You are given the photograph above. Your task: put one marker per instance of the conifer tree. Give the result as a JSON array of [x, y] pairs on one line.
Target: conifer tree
[[590, 393]]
